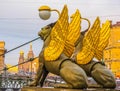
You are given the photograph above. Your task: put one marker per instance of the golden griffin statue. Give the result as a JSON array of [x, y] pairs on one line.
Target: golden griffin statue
[[69, 52]]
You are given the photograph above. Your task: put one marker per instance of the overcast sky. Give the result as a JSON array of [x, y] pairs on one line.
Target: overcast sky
[[20, 23]]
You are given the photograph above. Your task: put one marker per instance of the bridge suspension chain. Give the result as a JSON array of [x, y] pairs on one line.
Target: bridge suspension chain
[[20, 46], [31, 59]]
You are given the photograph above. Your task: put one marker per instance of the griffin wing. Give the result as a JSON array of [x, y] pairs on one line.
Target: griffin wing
[[104, 39], [58, 37], [90, 43], [73, 34]]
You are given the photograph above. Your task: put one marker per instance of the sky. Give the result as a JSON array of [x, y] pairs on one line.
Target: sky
[[20, 22]]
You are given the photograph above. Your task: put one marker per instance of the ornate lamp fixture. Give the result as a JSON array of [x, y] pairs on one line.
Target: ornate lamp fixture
[[45, 12]]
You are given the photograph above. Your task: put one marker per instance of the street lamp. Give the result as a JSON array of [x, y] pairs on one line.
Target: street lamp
[[45, 12], [72, 16]]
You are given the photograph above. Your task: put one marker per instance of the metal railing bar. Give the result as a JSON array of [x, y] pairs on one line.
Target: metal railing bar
[[20, 46]]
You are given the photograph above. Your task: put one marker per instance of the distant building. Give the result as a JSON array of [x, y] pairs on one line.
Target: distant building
[[28, 67], [21, 60], [13, 70], [112, 51], [2, 51]]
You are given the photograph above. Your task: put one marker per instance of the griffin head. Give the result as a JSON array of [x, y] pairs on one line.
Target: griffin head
[[45, 31]]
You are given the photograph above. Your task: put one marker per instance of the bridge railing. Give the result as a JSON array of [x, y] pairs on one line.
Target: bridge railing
[[14, 81]]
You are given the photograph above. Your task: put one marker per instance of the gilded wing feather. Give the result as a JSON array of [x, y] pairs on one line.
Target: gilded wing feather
[[58, 37], [73, 33], [90, 42], [104, 39]]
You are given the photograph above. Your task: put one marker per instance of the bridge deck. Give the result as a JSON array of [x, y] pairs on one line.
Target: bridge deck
[[61, 89]]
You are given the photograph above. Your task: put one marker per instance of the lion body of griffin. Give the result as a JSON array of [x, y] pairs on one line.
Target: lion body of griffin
[[69, 53]]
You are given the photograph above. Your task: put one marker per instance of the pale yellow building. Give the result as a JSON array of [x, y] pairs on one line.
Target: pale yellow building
[[2, 51], [12, 70], [112, 51]]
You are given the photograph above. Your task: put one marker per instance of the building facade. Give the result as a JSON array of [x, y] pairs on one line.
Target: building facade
[[27, 68], [2, 51], [112, 51]]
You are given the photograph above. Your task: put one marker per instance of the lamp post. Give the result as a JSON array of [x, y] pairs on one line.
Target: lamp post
[[45, 12], [83, 19]]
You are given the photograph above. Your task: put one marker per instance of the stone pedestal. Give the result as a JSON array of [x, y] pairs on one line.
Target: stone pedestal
[[62, 89]]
